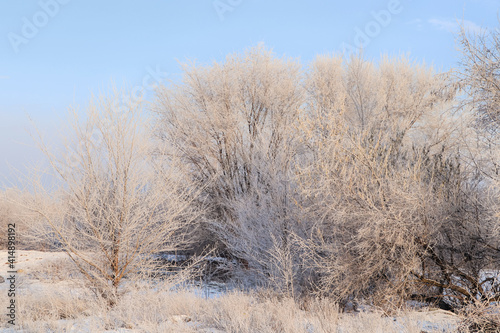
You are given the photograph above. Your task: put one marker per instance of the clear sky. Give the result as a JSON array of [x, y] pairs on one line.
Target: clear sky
[[56, 53]]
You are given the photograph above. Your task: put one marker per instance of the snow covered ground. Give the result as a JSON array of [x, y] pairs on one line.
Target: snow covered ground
[[50, 297]]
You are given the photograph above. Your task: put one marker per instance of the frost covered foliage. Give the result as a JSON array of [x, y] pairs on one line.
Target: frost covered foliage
[[348, 178], [234, 126], [399, 216], [373, 182], [119, 204]]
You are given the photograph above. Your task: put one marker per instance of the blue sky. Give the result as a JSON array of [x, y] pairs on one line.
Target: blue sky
[[56, 53]]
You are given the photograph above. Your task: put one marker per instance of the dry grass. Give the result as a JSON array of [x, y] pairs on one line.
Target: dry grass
[[148, 308], [480, 317], [50, 303]]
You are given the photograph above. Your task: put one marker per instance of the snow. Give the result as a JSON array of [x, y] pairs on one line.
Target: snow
[[39, 272]]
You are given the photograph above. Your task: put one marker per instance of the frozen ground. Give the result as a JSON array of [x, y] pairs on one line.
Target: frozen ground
[[52, 299]]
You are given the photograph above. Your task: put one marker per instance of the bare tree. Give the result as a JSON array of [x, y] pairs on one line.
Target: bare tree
[[122, 203], [351, 178], [398, 216], [479, 82], [479, 74], [235, 122]]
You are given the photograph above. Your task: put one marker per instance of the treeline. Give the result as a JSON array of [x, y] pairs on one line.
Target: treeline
[[360, 181]]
